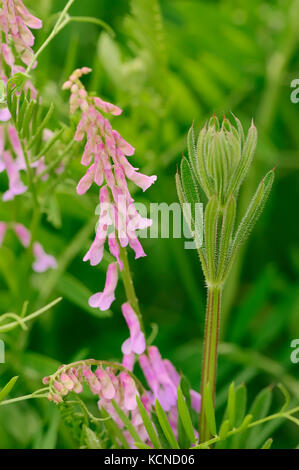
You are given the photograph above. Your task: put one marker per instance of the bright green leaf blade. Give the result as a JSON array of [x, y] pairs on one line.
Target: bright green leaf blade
[[166, 426]]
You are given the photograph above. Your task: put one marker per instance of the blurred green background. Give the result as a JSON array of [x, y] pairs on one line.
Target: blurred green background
[[169, 63]]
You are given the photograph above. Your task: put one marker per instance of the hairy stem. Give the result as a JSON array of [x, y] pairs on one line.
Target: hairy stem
[[210, 353], [129, 286]]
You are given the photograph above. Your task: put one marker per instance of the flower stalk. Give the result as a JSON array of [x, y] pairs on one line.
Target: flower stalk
[[219, 160], [210, 353]]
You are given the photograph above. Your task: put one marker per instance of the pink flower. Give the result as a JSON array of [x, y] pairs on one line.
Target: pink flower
[[107, 388], [114, 248], [4, 114], [107, 107], [103, 300], [43, 261], [136, 342], [130, 391], [23, 234], [16, 186], [105, 154]]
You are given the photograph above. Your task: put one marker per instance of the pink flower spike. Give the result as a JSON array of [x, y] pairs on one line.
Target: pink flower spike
[[67, 381], [107, 107], [86, 181], [17, 148], [103, 300], [43, 261], [96, 251], [2, 231], [107, 388], [29, 20], [91, 379], [122, 144], [23, 234], [143, 181], [16, 185], [128, 361], [115, 249], [130, 391], [136, 342], [136, 246]]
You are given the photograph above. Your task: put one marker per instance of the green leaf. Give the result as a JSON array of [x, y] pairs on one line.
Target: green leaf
[[258, 410], [166, 426], [201, 163], [114, 430], [184, 415], [267, 444], [252, 214], [231, 405], [142, 445], [286, 395], [241, 401], [224, 429], [245, 161], [148, 425], [41, 126], [126, 422], [188, 193], [163, 440], [227, 227], [8, 388], [245, 423], [90, 438], [209, 410]]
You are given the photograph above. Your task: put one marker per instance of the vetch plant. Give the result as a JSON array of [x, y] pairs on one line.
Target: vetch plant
[[219, 159], [143, 400]]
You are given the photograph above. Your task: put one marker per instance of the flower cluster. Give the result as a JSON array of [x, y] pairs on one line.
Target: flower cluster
[[161, 376], [15, 21], [105, 154], [14, 166], [16, 42], [107, 381], [42, 261]]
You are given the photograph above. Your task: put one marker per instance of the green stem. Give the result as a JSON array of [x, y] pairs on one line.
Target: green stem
[[15, 323], [287, 414], [210, 353], [60, 23], [129, 286]]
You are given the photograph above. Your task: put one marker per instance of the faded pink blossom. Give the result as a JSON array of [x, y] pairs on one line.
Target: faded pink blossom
[[136, 342], [103, 300], [43, 261], [16, 185], [23, 234]]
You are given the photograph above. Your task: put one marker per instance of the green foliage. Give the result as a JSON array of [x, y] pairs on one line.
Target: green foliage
[[218, 59]]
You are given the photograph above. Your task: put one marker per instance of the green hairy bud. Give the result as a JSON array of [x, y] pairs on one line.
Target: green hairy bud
[[219, 160]]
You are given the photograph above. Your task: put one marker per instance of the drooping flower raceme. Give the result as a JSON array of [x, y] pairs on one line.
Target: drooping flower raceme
[[105, 154], [42, 261], [112, 382]]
